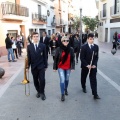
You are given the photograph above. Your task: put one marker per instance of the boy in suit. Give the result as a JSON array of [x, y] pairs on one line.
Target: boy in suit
[[37, 59], [89, 59]]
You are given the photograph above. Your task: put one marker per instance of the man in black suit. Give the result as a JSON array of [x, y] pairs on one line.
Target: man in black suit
[[89, 59], [45, 40], [37, 59]]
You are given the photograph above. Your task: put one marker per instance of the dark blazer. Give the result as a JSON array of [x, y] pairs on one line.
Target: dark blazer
[[8, 43], [58, 57], [86, 55], [46, 42], [52, 44], [37, 59]]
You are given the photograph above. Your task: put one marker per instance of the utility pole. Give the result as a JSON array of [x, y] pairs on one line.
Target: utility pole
[[80, 24]]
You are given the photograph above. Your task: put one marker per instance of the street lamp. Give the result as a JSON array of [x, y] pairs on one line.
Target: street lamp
[[81, 21]]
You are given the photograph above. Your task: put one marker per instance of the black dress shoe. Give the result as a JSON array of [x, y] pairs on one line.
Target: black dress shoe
[[43, 97], [66, 92], [84, 90], [96, 97], [62, 97], [38, 95]]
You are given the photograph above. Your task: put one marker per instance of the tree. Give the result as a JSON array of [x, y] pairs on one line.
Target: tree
[[90, 23], [76, 23]]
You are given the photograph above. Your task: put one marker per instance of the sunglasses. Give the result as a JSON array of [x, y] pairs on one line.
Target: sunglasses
[[65, 41]]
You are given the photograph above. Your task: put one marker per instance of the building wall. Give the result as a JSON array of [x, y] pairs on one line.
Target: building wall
[[10, 25], [112, 27], [50, 29]]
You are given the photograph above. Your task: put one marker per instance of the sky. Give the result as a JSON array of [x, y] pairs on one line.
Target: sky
[[88, 7]]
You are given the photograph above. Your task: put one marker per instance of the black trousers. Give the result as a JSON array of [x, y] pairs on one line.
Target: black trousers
[[92, 77], [39, 79], [77, 51], [15, 52], [19, 51]]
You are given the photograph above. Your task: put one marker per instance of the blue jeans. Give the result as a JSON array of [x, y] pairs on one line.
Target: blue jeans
[[64, 79], [10, 52]]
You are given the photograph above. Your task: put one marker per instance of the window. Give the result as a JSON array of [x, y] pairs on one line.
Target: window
[[53, 31], [39, 9], [117, 6], [49, 32], [104, 10]]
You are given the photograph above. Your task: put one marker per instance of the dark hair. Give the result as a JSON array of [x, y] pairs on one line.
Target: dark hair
[[77, 35], [11, 37], [7, 34], [34, 33], [45, 32], [115, 34], [90, 35]]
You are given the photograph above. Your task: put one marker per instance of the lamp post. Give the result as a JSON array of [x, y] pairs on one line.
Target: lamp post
[[81, 25]]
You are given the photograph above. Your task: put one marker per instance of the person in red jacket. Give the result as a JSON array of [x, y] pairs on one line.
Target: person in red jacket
[[64, 61]]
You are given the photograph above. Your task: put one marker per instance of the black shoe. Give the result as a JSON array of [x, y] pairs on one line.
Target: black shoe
[[14, 61], [38, 95], [66, 92], [43, 97], [9, 61], [96, 97], [84, 90], [62, 97]]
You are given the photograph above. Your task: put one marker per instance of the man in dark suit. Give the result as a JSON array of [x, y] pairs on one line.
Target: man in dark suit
[[89, 59], [45, 40], [37, 59]]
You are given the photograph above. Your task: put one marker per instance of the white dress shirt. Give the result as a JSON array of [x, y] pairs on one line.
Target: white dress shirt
[[35, 45], [90, 45], [43, 39]]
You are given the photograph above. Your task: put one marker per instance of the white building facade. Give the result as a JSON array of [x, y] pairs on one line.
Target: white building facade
[[37, 16], [51, 18], [109, 19]]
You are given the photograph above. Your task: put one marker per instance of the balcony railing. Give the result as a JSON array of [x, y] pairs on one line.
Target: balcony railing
[[60, 22], [14, 9], [103, 14], [39, 18], [115, 12]]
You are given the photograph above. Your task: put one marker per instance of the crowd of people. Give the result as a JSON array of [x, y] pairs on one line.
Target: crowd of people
[[63, 47], [14, 47]]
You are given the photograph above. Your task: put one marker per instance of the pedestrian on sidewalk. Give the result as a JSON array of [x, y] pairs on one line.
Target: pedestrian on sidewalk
[[9, 48], [115, 39], [14, 47], [65, 63], [89, 59], [77, 46], [53, 45], [37, 59], [19, 45]]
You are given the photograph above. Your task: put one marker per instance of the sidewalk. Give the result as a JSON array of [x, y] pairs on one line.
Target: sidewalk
[[106, 48], [11, 68]]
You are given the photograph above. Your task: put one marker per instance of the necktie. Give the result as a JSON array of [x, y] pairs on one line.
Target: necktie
[[92, 47], [36, 47]]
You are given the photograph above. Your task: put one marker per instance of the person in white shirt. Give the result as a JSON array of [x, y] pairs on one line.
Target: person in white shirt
[[14, 47]]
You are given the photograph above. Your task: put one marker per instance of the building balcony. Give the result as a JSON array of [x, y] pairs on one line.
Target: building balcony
[[12, 11], [114, 12], [53, 24], [39, 19], [60, 22], [103, 14]]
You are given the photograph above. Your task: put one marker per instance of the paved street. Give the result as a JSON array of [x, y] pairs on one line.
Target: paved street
[[14, 105]]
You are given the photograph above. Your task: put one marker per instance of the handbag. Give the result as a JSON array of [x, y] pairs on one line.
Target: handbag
[[113, 51], [53, 52]]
